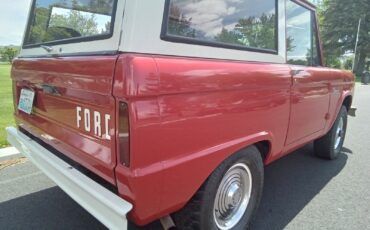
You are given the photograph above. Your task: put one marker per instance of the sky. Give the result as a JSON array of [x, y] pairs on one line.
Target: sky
[[13, 17], [210, 16]]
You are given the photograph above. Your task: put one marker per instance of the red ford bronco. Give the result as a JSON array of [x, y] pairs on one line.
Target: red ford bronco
[[169, 109]]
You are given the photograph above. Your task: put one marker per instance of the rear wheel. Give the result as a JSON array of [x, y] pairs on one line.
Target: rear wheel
[[330, 145], [229, 197]]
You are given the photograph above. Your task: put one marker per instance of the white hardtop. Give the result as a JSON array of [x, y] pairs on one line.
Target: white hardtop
[[138, 27]]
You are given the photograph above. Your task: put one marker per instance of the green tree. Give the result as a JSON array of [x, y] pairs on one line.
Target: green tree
[[348, 63], [102, 6], [9, 53], [230, 37], [39, 25], [61, 26], [339, 22], [289, 44], [2, 57], [106, 29], [256, 32], [334, 62], [83, 24], [179, 24]]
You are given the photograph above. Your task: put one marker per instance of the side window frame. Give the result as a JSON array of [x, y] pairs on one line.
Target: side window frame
[[179, 39], [317, 38], [314, 28]]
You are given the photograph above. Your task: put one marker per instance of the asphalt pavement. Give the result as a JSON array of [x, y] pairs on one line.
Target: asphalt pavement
[[301, 191]]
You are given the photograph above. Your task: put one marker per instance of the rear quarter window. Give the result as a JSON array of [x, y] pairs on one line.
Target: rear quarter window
[[67, 21], [236, 24]]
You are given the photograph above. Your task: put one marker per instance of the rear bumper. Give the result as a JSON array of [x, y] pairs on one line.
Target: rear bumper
[[104, 205], [352, 111]]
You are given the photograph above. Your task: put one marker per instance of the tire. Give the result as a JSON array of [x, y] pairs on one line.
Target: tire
[[200, 213], [330, 146]]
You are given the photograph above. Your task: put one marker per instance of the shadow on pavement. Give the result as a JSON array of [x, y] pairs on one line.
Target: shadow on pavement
[[48, 209], [290, 184]]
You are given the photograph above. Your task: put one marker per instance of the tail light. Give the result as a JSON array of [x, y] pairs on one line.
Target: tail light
[[124, 135]]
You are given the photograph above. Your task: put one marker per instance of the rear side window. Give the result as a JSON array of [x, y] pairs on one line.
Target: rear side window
[[64, 21], [239, 24]]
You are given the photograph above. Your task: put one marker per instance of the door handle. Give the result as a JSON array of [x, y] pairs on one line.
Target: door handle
[[50, 89], [297, 71]]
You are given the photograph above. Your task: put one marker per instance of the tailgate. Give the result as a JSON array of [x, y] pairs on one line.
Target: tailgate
[[73, 107]]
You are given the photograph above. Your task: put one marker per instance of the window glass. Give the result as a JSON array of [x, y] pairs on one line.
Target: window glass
[[241, 23], [55, 20], [302, 41]]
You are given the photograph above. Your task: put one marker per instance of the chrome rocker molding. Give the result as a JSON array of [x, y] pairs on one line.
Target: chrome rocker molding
[[106, 206]]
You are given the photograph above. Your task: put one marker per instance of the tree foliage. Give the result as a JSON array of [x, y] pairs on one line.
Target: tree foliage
[[179, 24], [69, 19], [339, 22], [230, 37], [37, 30], [252, 31], [9, 53], [85, 25], [256, 32], [73, 24]]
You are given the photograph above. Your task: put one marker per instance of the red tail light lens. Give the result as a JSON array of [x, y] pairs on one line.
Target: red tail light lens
[[124, 135]]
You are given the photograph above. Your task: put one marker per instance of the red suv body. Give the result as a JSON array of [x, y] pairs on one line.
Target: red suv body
[[153, 126]]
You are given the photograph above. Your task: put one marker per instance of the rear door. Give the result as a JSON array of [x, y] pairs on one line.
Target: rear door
[[310, 87]]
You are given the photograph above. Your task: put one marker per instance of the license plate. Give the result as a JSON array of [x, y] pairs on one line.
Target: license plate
[[26, 100]]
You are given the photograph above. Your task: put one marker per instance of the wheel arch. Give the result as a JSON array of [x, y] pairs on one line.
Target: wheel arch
[[347, 102], [264, 148], [262, 141]]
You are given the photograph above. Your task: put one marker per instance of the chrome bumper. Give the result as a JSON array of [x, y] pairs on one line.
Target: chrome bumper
[[352, 112], [104, 205]]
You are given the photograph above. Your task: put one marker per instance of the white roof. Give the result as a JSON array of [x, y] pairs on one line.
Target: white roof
[[137, 29]]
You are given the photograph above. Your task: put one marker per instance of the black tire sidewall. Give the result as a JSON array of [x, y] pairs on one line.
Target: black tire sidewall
[[252, 158], [336, 151]]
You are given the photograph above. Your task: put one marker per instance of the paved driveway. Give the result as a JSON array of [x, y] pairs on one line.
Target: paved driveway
[[301, 191]]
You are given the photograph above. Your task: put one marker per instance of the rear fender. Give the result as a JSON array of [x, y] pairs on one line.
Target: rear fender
[[202, 164]]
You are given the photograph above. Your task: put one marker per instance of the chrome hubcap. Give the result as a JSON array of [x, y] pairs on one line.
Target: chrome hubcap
[[339, 133], [232, 196]]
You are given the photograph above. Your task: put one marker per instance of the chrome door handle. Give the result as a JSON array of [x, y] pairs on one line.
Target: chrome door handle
[[297, 71]]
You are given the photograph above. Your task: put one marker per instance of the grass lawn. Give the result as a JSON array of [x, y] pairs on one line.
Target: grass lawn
[[6, 102]]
